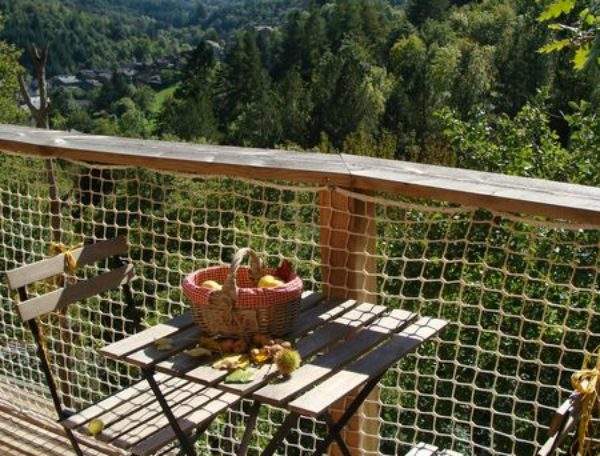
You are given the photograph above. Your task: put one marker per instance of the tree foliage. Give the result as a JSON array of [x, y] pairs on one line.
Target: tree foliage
[[10, 70], [577, 23]]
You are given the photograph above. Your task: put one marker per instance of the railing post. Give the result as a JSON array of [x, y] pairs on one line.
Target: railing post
[[348, 245], [65, 334]]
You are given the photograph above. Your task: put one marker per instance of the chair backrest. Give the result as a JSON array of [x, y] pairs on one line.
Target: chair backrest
[[565, 419], [59, 299]]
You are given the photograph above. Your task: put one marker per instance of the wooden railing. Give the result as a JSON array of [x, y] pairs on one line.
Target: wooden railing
[[471, 188]]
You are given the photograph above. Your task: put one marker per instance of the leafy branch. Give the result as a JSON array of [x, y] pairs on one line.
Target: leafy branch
[[579, 30]]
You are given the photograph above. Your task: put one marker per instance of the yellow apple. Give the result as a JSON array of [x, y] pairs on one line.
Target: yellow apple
[[212, 284], [268, 281]]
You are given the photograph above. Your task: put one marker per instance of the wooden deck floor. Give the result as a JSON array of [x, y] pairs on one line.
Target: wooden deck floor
[[23, 438], [26, 435]]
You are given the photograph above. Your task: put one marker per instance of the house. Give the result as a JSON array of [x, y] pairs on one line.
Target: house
[[66, 81]]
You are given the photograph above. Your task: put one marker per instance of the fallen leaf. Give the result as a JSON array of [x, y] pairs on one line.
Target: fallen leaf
[[198, 352], [232, 362], [245, 375]]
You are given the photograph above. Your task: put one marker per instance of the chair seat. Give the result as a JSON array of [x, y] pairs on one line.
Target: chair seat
[[134, 420]]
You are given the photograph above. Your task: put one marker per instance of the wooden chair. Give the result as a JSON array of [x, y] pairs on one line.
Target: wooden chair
[[146, 417], [564, 421], [58, 300]]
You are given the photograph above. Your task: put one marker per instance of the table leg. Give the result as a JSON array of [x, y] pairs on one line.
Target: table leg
[[335, 429], [281, 434], [181, 436], [250, 426], [338, 438]]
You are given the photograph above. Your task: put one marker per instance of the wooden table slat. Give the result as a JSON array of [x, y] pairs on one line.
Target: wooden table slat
[[325, 365], [332, 332], [181, 363], [309, 300], [203, 415], [320, 314], [118, 350], [338, 329], [150, 355], [318, 399]]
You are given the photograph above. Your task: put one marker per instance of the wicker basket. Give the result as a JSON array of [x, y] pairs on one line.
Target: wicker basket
[[241, 308]]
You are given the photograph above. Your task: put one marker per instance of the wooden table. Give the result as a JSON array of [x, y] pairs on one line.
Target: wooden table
[[192, 393]]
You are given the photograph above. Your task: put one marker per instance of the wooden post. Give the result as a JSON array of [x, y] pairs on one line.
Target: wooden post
[[41, 116], [348, 246]]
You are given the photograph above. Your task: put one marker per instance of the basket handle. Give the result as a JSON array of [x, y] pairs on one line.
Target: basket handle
[[256, 268]]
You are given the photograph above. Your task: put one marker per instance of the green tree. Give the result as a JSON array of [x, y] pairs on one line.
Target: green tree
[[350, 93], [190, 113], [579, 31], [297, 108], [418, 11], [10, 70]]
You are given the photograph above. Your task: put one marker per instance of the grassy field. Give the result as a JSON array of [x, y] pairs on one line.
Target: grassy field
[[162, 96]]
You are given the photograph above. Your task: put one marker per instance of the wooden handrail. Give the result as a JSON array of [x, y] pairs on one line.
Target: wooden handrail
[[576, 203]]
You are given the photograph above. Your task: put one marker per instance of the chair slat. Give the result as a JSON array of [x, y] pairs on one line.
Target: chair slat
[[315, 401], [321, 367], [133, 427], [198, 418], [572, 404], [51, 267], [93, 411], [59, 299]]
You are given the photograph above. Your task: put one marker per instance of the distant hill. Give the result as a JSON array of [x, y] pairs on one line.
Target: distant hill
[[103, 33], [99, 33]]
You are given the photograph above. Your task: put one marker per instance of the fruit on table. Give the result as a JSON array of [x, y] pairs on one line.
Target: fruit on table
[[226, 345], [210, 344], [239, 346], [261, 340], [268, 281], [95, 427], [198, 352], [163, 344], [260, 355], [212, 284], [287, 361]]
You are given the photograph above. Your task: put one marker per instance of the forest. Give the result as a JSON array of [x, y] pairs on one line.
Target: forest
[[433, 81]]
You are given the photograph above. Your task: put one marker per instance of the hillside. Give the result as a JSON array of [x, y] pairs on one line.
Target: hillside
[[103, 33]]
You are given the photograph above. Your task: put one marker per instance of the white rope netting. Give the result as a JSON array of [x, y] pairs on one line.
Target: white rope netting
[[521, 295]]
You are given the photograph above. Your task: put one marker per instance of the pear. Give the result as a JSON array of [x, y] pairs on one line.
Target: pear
[[268, 281], [212, 284]]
